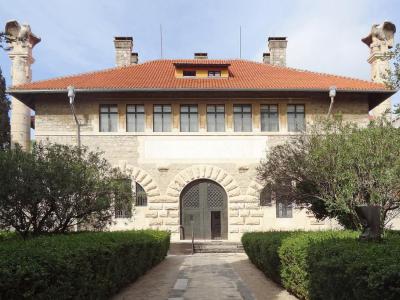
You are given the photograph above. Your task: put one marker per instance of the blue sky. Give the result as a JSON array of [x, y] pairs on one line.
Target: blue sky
[[77, 36]]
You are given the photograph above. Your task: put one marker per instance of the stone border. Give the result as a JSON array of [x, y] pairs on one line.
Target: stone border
[[143, 178], [190, 174]]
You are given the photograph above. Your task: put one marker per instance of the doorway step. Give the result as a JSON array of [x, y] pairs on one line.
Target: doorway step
[[205, 246]]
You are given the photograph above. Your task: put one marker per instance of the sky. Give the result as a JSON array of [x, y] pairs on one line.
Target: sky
[[77, 35]]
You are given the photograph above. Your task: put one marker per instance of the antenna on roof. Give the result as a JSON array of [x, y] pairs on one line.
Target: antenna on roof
[[161, 45], [240, 41]]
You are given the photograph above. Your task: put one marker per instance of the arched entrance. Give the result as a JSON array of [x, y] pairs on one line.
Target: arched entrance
[[204, 207]]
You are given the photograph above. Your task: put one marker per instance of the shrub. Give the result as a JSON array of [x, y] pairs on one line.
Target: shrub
[[56, 187], [329, 265], [77, 265]]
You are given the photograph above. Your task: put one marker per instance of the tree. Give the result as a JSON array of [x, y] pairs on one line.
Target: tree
[[4, 115], [55, 188], [393, 78], [336, 166]]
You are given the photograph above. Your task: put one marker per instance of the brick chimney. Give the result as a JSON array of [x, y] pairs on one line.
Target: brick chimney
[[123, 51], [201, 55], [277, 50]]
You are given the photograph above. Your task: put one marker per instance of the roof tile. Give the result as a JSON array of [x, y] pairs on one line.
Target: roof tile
[[160, 74]]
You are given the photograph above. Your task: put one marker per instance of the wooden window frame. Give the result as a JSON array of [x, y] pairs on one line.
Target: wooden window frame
[[215, 114], [162, 113], [108, 113], [268, 113], [241, 114], [135, 113]]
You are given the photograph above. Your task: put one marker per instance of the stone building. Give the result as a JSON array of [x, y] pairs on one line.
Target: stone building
[[190, 131]]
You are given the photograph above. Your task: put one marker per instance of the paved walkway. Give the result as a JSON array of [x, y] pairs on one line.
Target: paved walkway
[[204, 276]]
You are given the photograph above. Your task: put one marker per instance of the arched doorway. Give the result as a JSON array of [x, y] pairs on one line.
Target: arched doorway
[[204, 207]]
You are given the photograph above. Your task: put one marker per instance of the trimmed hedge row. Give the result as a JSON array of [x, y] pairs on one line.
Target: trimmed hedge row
[[328, 264], [78, 265]]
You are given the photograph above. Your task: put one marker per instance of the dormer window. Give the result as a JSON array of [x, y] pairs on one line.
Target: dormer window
[[214, 73], [189, 73]]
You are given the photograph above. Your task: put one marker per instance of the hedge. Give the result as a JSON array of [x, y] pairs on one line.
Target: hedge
[[328, 264], [77, 266]]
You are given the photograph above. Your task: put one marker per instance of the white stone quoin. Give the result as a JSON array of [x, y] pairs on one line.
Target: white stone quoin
[[20, 42]]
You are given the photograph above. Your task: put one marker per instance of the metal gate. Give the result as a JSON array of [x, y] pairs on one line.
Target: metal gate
[[204, 208]]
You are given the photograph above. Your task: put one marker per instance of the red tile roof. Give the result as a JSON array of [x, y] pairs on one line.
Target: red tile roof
[[160, 74]]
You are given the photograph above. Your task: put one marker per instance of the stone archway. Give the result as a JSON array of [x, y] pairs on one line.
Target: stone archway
[[204, 210], [170, 209], [190, 174], [145, 180]]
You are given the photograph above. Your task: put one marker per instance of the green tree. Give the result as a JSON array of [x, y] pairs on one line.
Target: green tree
[[336, 166], [4, 115], [56, 187]]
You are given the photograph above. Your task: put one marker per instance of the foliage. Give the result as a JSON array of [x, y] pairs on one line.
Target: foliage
[[328, 265], [4, 117], [78, 265], [57, 187], [393, 78], [336, 166]]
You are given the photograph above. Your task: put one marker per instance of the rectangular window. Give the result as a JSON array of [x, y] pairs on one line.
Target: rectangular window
[[108, 117], [189, 118], [283, 209], [162, 118], [187, 73], [214, 73], [216, 118], [134, 118], [242, 117], [296, 117], [269, 117]]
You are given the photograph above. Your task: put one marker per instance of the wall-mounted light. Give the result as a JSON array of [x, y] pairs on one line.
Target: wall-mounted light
[[332, 95], [71, 97]]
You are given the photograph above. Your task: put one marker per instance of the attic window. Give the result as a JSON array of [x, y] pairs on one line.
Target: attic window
[[214, 73], [187, 73]]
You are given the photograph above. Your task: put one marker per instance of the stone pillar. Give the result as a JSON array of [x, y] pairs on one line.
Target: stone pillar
[[380, 41], [123, 51], [20, 41], [277, 48]]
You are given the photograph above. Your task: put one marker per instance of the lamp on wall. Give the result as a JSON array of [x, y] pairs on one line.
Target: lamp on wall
[[71, 96], [332, 95]]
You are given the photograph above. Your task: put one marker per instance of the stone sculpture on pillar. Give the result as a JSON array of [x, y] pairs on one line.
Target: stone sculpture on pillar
[[380, 40], [20, 41]]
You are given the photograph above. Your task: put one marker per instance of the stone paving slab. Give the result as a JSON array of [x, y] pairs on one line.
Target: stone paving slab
[[205, 276]]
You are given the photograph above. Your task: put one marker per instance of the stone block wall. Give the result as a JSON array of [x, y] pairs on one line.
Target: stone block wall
[[164, 180]]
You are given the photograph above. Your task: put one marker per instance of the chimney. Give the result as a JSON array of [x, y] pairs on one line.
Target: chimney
[[201, 55], [134, 58], [20, 41], [266, 58], [277, 48], [123, 51], [380, 40]]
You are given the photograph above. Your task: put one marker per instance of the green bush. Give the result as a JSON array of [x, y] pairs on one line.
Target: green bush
[[77, 265], [328, 265]]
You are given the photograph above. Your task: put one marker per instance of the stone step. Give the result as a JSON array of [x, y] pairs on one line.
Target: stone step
[[218, 247], [185, 248]]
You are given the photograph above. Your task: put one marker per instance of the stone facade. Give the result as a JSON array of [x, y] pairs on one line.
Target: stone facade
[[163, 170]]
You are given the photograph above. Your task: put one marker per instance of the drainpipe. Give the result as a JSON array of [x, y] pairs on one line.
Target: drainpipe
[[332, 94], [71, 96]]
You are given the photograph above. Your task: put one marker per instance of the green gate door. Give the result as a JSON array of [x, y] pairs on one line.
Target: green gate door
[[204, 208]]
